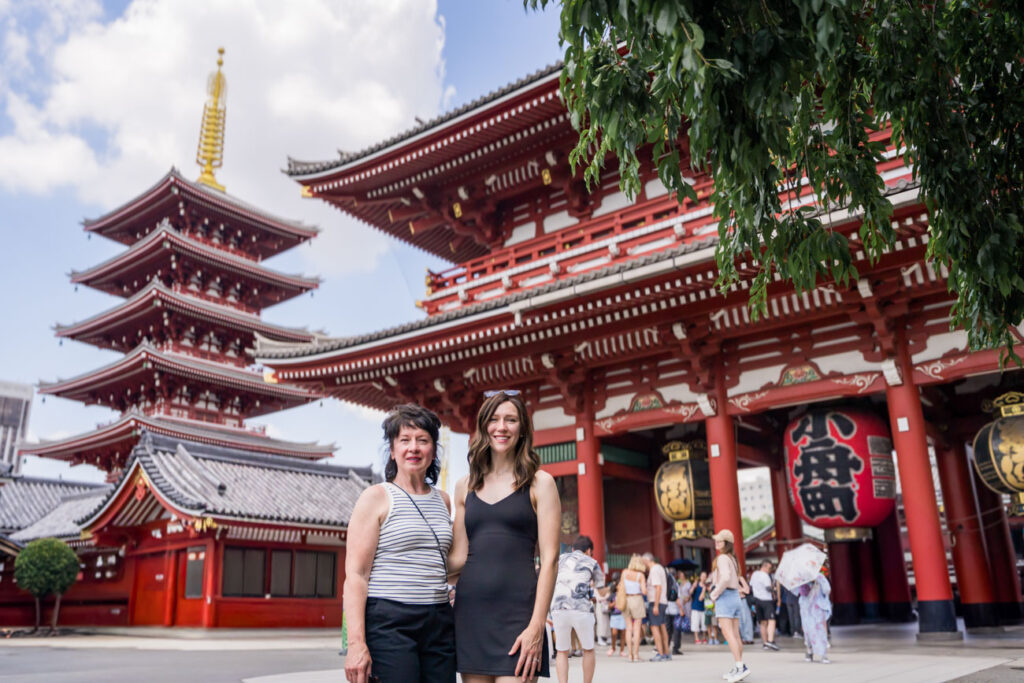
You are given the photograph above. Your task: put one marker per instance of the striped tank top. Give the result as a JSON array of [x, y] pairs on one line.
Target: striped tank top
[[407, 567]]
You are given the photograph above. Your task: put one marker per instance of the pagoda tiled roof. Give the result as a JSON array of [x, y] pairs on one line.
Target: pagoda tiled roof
[[60, 521], [277, 351], [157, 291], [177, 364], [234, 484], [172, 181], [24, 500], [221, 258], [298, 168], [125, 427]]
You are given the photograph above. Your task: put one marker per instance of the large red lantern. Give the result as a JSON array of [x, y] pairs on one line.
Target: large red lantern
[[840, 471]]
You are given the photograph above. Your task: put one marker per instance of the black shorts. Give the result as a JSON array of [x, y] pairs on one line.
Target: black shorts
[[410, 642], [765, 610], [659, 618]]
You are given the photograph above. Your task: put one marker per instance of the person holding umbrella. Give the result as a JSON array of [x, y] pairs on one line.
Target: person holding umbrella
[[815, 611], [800, 571]]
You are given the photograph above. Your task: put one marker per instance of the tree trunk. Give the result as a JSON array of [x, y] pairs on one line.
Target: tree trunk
[[38, 615], [56, 613]]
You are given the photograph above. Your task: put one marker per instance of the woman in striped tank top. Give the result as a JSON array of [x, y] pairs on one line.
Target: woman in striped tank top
[[396, 579]]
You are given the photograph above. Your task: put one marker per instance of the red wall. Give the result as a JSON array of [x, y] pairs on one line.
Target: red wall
[[90, 602], [143, 579]]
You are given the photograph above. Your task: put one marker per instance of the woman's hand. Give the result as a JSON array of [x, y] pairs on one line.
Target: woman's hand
[[530, 645], [357, 663]]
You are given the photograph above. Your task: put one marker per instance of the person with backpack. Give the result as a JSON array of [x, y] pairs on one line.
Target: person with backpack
[[671, 607]]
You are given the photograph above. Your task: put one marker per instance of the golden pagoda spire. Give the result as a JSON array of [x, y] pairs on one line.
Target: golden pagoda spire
[[210, 154]]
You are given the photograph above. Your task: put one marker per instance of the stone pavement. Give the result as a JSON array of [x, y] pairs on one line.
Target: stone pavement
[[881, 652]]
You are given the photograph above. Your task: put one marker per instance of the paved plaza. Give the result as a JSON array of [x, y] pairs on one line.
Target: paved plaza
[[860, 653]]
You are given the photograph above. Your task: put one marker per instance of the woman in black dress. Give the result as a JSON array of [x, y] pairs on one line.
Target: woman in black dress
[[506, 513]]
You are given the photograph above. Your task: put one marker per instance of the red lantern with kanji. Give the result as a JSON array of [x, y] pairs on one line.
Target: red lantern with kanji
[[840, 471]]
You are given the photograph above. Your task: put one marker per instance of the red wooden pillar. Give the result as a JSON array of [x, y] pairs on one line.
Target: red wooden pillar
[[842, 575], [1001, 555], [973, 580], [895, 586], [209, 584], [170, 586], [589, 487], [788, 528], [725, 488], [867, 580], [936, 614]]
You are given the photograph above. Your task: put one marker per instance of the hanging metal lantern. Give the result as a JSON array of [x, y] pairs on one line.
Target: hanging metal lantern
[[840, 471], [999, 450], [682, 490]]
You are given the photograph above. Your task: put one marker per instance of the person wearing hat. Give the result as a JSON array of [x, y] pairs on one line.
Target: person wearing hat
[[726, 595]]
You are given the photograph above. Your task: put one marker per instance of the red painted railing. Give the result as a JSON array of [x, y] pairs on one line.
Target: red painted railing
[[598, 242]]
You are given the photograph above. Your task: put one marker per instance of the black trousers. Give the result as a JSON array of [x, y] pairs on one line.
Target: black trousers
[[410, 643]]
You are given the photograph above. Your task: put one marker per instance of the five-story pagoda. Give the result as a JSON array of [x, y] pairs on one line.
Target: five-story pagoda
[[193, 286]]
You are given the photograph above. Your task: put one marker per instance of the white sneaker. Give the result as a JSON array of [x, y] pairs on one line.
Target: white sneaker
[[739, 674], [728, 674], [826, 660]]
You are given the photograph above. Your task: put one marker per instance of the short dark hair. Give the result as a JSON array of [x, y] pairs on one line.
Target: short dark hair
[[417, 417], [583, 543]]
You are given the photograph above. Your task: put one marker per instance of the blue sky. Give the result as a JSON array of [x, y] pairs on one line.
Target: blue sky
[[98, 101]]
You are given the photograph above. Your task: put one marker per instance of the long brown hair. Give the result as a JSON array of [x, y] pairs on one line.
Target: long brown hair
[[728, 549], [526, 462]]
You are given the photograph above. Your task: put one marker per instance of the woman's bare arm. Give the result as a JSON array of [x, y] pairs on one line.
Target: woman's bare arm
[[363, 534], [460, 541], [529, 644]]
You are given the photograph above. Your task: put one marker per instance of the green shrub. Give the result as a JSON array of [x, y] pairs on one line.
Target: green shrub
[[46, 566]]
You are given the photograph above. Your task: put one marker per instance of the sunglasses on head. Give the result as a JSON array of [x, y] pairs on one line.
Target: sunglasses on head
[[507, 392]]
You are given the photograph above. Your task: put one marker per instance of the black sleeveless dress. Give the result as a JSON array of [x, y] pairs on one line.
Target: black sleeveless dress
[[497, 588]]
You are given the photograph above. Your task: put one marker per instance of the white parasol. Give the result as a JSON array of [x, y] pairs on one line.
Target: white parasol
[[799, 566]]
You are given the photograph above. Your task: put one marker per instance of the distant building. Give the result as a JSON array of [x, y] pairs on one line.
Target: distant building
[[15, 403], [756, 498]]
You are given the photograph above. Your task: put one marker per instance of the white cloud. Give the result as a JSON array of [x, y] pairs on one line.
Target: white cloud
[[120, 102]]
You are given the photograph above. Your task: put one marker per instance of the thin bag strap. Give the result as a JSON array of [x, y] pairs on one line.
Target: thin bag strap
[[440, 552]]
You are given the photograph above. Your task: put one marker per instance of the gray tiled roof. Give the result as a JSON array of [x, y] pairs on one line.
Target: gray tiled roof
[[60, 522], [228, 482], [24, 500], [284, 350], [300, 168]]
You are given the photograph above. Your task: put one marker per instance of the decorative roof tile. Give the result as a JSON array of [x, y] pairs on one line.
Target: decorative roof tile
[[214, 481], [24, 500], [301, 168], [60, 521]]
